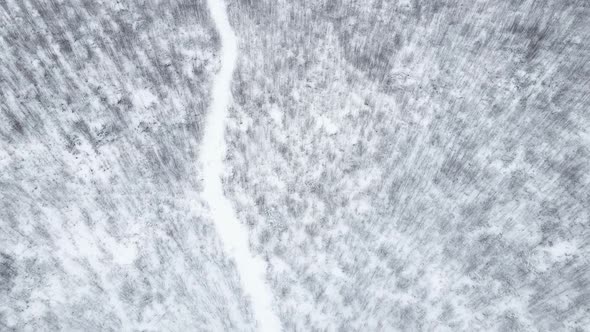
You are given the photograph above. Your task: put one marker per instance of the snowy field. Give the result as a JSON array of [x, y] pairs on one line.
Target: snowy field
[[331, 165]]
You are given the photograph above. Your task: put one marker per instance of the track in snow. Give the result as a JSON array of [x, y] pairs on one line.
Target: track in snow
[[233, 234]]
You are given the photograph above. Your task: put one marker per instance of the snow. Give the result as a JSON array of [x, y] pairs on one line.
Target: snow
[[233, 234], [143, 98]]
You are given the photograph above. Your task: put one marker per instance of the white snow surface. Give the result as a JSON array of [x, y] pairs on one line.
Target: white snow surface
[[233, 234]]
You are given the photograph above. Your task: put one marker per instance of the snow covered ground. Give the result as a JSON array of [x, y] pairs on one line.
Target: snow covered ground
[[103, 223], [233, 234], [347, 165], [416, 165]]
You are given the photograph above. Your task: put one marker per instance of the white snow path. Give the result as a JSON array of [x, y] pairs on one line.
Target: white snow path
[[233, 234]]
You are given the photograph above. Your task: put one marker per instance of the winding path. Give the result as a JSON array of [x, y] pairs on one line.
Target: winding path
[[233, 234]]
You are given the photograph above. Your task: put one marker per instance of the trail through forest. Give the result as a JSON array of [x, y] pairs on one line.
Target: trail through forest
[[233, 234]]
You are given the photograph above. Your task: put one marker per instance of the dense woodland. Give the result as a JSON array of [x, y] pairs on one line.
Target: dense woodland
[[401, 165], [102, 225], [417, 165]]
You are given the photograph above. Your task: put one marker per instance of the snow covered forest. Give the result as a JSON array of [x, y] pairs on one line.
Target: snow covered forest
[[102, 225], [353, 165]]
